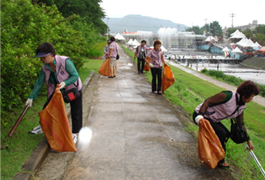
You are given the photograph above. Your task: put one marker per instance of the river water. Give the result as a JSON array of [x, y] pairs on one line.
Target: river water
[[236, 70]]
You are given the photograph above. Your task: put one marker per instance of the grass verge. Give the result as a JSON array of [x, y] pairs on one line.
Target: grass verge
[[16, 149], [188, 92], [219, 75]]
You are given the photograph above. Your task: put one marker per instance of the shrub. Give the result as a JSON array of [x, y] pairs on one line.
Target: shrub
[[24, 27]]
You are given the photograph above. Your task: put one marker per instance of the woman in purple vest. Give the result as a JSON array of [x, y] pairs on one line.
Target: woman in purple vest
[[157, 57], [226, 105], [140, 53], [55, 70], [113, 51]]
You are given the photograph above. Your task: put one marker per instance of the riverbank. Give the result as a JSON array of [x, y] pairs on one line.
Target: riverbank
[[255, 62]]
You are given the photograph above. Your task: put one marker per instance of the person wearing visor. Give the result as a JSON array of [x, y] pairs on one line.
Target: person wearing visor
[[55, 70]]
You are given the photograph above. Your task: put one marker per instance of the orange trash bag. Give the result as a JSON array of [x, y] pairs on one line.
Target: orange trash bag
[[55, 125], [146, 66], [168, 78], [104, 69], [210, 149]]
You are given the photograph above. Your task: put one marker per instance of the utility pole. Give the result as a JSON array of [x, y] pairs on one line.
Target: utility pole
[[107, 28], [232, 16]]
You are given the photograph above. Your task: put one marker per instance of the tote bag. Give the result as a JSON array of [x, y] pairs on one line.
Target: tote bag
[[168, 78], [210, 149], [55, 125], [104, 69]]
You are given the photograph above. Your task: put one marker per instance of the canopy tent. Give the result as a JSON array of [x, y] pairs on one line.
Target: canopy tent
[[237, 31], [248, 43], [237, 35], [225, 49], [163, 49], [242, 41], [210, 38], [256, 46], [118, 36], [262, 49], [135, 43], [130, 42], [236, 50]]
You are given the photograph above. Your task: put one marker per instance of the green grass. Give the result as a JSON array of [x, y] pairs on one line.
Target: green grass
[[188, 92], [21, 144], [89, 65], [219, 75]]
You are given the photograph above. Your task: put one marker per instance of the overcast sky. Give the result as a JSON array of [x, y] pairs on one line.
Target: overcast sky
[[190, 12]]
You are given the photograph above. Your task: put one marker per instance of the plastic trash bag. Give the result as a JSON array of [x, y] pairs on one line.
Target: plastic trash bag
[[168, 78], [55, 125], [210, 149], [146, 66], [104, 69]]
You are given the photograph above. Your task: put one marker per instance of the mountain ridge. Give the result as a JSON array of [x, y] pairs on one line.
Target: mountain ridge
[[135, 22]]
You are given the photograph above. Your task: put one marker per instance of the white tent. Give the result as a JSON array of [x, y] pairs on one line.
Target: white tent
[[135, 43], [248, 43], [242, 41], [163, 49], [130, 42], [237, 31], [210, 38], [118, 36], [237, 35], [226, 49], [236, 50]]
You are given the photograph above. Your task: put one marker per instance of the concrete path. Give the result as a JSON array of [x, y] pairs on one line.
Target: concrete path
[[258, 99], [135, 135]]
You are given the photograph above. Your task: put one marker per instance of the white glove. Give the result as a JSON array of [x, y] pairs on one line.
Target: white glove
[[151, 65], [29, 102], [62, 85], [198, 118]]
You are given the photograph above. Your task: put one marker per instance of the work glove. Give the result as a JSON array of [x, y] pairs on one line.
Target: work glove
[[29, 102], [198, 118], [62, 85], [151, 65]]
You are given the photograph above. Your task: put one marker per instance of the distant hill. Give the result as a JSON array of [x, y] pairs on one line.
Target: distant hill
[[134, 23]]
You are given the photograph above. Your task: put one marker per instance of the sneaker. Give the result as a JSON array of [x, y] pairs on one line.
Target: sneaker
[[74, 138], [36, 130]]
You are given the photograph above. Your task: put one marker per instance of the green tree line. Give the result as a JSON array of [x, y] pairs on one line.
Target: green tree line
[[25, 25]]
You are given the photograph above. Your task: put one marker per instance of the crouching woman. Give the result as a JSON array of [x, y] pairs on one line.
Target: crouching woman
[[226, 105]]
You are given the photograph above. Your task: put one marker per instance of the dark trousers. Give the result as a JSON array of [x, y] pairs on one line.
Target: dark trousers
[[140, 64], [221, 131], [156, 73], [76, 112]]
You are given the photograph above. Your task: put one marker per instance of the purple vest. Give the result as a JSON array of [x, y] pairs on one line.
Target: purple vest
[[114, 50], [61, 73], [223, 111], [106, 50], [155, 56], [139, 49]]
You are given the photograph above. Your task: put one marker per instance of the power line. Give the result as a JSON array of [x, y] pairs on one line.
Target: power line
[[232, 15]]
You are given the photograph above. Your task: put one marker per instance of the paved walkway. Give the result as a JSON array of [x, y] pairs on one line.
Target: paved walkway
[[258, 99], [135, 135]]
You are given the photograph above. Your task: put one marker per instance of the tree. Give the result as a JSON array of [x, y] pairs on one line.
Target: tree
[[88, 10], [195, 29], [215, 28]]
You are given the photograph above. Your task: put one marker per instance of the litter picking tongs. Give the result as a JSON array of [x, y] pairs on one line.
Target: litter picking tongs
[[257, 161]]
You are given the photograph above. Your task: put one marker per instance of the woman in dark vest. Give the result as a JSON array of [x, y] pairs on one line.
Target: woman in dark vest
[[226, 105], [60, 70]]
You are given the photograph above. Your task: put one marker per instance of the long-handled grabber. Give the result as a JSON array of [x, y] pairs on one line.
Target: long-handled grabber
[[18, 121], [257, 161]]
